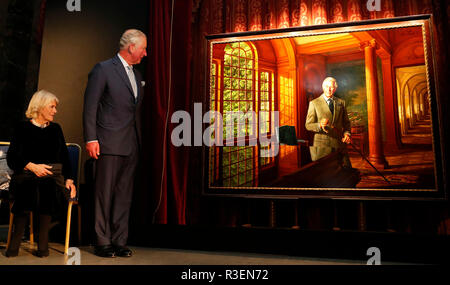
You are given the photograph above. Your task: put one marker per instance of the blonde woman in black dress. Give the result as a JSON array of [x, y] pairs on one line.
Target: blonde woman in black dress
[[39, 157]]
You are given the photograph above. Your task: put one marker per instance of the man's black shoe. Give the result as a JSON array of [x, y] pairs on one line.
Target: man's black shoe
[[11, 253], [105, 251], [41, 253], [122, 251]]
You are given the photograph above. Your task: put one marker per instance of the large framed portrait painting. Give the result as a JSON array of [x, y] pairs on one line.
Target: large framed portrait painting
[[264, 113]]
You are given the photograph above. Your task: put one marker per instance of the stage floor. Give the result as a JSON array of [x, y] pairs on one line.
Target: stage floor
[[165, 256]]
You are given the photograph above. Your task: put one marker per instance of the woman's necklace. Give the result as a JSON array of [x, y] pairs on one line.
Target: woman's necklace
[[33, 121]]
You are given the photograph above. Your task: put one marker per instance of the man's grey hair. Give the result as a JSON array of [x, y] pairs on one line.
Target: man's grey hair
[[131, 36], [332, 79]]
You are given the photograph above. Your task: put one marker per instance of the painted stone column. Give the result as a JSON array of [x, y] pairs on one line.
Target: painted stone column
[[391, 109], [376, 154]]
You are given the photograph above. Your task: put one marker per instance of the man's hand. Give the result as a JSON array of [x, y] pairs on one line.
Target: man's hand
[[40, 170], [71, 187], [324, 124], [346, 139], [93, 149]]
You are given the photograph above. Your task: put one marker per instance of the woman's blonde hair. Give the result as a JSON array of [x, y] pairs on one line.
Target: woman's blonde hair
[[39, 100]]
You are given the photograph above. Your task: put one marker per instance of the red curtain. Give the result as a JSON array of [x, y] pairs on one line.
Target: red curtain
[[164, 169]]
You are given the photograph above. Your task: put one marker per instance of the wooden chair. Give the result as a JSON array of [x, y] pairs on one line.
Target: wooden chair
[[75, 161]]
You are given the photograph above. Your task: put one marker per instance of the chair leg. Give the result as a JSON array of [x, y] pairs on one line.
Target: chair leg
[[79, 223], [31, 229], [11, 218], [69, 214]]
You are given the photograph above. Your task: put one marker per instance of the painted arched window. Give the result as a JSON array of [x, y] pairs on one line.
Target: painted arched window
[[239, 88], [238, 163]]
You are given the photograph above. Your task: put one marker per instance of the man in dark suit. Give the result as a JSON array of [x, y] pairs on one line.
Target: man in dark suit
[[111, 132]]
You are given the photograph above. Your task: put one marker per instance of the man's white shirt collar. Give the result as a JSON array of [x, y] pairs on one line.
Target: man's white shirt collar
[[326, 99], [125, 64]]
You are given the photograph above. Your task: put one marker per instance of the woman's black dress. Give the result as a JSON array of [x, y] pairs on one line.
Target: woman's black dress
[[47, 145]]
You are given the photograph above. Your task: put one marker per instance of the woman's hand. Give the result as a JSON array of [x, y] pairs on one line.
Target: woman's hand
[[71, 187], [41, 170]]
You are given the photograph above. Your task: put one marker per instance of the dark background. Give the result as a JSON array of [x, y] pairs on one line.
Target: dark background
[[73, 42], [42, 45]]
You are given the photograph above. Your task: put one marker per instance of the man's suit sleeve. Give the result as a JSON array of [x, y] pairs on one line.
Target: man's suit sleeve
[[312, 123], [94, 90]]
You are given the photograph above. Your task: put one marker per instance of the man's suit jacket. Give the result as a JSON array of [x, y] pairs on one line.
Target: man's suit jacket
[[327, 142], [110, 112]]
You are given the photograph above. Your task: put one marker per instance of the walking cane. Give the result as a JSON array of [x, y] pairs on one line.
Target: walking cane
[[362, 155], [369, 162]]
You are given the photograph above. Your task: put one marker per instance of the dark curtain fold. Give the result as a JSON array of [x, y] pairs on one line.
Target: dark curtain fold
[[164, 168], [178, 157]]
